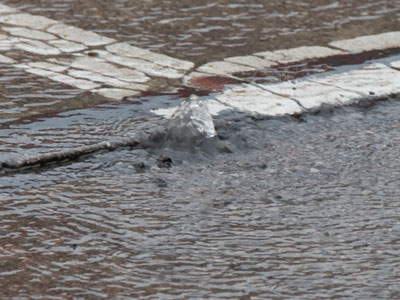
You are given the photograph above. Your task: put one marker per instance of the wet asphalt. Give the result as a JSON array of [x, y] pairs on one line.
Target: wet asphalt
[[302, 207], [202, 31]]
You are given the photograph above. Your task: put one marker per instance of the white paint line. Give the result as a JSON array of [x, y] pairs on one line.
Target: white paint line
[[67, 46], [94, 77], [376, 80], [48, 66], [124, 67], [29, 33], [312, 95], [36, 47], [4, 9], [101, 67], [298, 54], [251, 61], [79, 83], [105, 80], [6, 44], [116, 94], [246, 98], [124, 49], [6, 60], [145, 61], [167, 61], [261, 60], [144, 66], [36, 71], [75, 34], [370, 42], [223, 68], [258, 101], [61, 61], [27, 20]]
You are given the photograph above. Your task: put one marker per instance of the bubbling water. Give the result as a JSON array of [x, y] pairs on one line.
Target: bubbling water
[[191, 123]]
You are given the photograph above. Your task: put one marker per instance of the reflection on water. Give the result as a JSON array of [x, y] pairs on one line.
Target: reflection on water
[[301, 209], [27, 96], [201, 32], [205, 30]]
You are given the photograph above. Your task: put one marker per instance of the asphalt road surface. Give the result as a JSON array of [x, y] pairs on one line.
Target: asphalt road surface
[[286, 208], [302, 207]]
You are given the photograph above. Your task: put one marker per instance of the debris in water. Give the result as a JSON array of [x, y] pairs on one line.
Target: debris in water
[[191, 123], [164, 162]]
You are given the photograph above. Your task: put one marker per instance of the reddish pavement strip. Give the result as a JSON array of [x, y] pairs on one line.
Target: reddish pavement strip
[[95, 61]]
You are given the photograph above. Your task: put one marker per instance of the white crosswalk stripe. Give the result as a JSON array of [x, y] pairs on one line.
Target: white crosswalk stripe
[[293, 97], [116, 69]]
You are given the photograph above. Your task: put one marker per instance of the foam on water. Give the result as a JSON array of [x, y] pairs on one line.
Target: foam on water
[[191, 123]]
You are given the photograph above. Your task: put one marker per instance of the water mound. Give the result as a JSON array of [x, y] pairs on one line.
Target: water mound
[[191, 124]]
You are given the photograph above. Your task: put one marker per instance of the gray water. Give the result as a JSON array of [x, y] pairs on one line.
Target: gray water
[[303, 208], [289, 208]]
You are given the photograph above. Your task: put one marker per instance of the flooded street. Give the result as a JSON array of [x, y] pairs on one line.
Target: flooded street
[[203, 30], [297, 207], [301, 208]]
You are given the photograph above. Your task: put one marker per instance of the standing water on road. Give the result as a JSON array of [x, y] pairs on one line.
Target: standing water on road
[[255, 208], [300, 208], [203, 30]]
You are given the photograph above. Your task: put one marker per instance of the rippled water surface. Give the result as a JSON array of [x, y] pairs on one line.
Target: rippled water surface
[[205, 30], [302, 208], [291, 208], [199, 31], [24, 97]]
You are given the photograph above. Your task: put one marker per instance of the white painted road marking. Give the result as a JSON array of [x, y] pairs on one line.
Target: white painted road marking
[[29, 33], [124, 49], [224, 68], [126, 68], [78, 35], [262, 101], [6, 60], [377, 80], [251, 61], [381, 41], [27, 20], [286, 56], [119, 69], [371, 81], [312, 95]]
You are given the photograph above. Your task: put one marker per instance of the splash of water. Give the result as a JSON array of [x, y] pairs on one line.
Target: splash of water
[[191, 123]]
